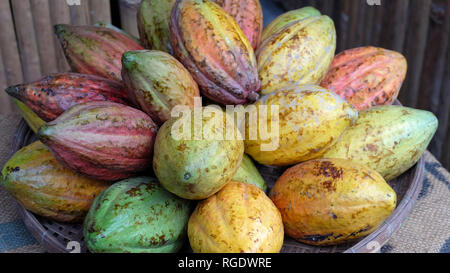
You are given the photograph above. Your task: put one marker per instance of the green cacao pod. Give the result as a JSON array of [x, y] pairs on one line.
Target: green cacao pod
[[153, 23], [137, 216], [45, 187], [32, 119], [191, 167], [388, 139], [249, 174], [157, 82]]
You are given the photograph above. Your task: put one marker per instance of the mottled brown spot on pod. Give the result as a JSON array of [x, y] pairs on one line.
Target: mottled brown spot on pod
[[327, 169]]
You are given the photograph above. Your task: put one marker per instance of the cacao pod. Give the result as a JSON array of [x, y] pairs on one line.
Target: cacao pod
[[153, 24], [331, 201], [137, 216], [157, 82], [248, 15], [367, 76], [95, 50], [33, 120], [311, 119], [52, 95], [249, 174], [103, 140], [298, 54], [113, 27], [215, 51], [287, 18], [238, 219], [195, 167], [388, 139], [45, 187]]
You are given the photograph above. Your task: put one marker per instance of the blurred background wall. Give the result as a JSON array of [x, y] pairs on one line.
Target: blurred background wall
[[420, 29]]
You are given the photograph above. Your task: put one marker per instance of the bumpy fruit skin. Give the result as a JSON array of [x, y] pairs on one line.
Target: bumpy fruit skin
[[238, 219], [196, 166], [332, 201], [33, 120], [52, 95], [248, 15], [45, 187], [214, 49], [95, 50], [388, 139], [157, 82], [300, 53], [311, 119], [153, 23], [287, 18], [137, 216], [367, 76], [249, 174], [103, 140]]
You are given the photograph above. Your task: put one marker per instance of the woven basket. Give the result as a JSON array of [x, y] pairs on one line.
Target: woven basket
[[55, 237]]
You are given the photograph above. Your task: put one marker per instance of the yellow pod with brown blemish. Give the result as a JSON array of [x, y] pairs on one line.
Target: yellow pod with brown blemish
[[311, 119], [45, 187], [332, 201], [238, 219], [299, 53], [287, 18], [388, 139]]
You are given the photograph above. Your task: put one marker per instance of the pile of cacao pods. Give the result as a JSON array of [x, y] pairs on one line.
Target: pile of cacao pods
[[107, 154]]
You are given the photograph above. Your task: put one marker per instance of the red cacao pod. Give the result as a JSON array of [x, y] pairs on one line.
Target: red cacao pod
[[249, 16], [212, 46], [52, 95], [102, 140], [367, 76], [95, 50]]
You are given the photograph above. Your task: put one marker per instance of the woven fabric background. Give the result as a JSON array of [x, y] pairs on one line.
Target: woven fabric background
[[427, 230]]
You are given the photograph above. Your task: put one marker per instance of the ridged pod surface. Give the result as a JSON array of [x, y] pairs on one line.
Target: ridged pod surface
[[367, 76], [113, 27], [195, 162], [52, 95], [249, 174], [299, 53], [248, 15], [214, 49], [95, 50], [157, 82], [287, 18], [311, 119], [238, 219], [45, 187], [388, 139], [332, 201], [103, 140], [137, 216], [33, 120], [153, 23]]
